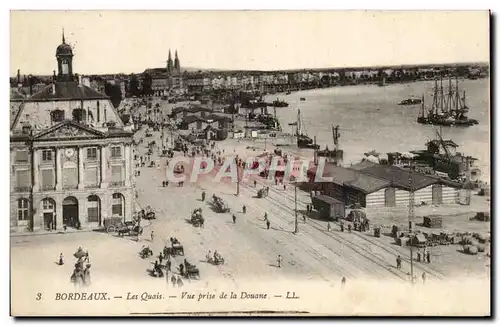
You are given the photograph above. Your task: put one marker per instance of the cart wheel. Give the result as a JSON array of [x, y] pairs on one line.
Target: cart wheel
[[111, 229]]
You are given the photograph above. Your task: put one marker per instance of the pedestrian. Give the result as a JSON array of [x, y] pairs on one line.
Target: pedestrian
[[255, 183], [341, 226], [279, 261], [284, 186], [328, 227], [152, 236], [275, 181], [244, 209], [163, 184], [308, 208], [428, 257], [234, 218], [424, 255], [268, 224], [423, 277], [203, 196], [419, 255], [398, 262], [168, 265], [173, 280], [160, 257], [61, 259], [181, 269], [342, 282], [304, 217], [179, 282], [265, 216]]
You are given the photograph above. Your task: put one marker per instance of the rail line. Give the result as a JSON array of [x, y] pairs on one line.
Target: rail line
[[352, 246], [318, 226]]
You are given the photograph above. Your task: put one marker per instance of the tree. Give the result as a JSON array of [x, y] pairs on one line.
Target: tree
[[147, 84], [133, 88], [114, 92]]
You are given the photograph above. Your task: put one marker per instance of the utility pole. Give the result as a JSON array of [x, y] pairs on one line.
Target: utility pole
[[411, 215], [296, 215], [237, 178]]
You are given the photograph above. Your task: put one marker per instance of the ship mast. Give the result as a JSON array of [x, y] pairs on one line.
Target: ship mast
[[441, 106]]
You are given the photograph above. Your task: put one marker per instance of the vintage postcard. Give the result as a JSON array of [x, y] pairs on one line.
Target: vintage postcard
[[300, 163]]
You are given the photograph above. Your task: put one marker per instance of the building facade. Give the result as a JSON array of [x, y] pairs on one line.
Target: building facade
[[71, 159]]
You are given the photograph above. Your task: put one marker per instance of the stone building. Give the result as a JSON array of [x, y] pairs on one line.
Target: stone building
[[71, 159]]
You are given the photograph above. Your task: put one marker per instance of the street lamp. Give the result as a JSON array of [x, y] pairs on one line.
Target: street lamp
[[411, 216]]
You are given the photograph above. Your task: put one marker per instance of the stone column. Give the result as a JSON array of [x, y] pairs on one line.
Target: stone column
[[81, 182], [58, 169], [104, 162], [127, 166], [36, 170]]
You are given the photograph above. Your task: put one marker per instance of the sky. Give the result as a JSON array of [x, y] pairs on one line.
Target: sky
[[132, 41]]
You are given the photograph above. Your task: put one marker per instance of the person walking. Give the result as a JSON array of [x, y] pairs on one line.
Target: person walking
[[268, 224], [203, 196], [279, 261], [255, 183], [152, 236], [160, 257], [61, 259], [244, 209], [423, 277], [234, 219], [428, 257], [398, 262], [343, 281], [304, 217], [173, 280], [168, 265], [328, 227]]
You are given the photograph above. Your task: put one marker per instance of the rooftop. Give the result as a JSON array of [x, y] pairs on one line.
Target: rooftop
[[67, 91]]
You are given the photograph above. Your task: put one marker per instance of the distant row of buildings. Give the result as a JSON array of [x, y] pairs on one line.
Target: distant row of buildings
[[172, 80]]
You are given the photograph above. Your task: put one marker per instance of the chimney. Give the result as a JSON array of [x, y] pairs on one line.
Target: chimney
[[53, 76], [18, 76], [24, 80]]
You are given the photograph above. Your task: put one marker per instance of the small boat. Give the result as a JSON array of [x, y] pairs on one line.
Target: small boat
[[302, 99], [411, 101], [303, 140]]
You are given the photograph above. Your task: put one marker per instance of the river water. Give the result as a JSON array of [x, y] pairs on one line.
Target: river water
[[371, 119]]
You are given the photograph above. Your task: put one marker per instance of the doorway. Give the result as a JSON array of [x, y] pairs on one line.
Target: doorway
[[70, 212], [49, 214]]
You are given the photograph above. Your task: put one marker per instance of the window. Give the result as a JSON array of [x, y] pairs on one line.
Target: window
[[47, 155], [48, 179], [57, 115], [92, 153], [116, 151], [22, 209], [48, 204], [23, 179], [117, 204], [22, 156]]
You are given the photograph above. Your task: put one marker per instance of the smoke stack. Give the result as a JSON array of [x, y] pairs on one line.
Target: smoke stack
[[24, 80], [18, 76], [53, 76]]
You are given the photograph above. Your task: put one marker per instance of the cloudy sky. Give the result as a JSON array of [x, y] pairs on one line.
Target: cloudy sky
[[119, 41]]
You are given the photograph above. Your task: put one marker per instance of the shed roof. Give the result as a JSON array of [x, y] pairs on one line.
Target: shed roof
[[328, 200], [398, 177]]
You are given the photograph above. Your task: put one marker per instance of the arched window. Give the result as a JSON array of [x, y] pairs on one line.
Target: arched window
[[22, 209]]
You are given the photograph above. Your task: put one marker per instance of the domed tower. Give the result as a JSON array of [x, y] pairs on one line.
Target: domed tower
[[64, 55]]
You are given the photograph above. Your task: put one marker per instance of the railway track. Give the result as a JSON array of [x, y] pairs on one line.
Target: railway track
[[319, 227]]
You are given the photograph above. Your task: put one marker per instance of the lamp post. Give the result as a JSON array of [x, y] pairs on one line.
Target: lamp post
[[411, 215], [296, 215]]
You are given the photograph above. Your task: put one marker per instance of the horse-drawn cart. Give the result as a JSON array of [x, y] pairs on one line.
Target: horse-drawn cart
[[264, 192], [219, 205], [197, 218], [112, 224], [176, 248]]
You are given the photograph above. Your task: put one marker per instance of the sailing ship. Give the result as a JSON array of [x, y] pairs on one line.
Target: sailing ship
[[303, 140], [336, 155], [448, 108]]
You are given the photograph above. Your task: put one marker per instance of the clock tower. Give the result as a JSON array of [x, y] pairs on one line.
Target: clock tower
[[64, 55]]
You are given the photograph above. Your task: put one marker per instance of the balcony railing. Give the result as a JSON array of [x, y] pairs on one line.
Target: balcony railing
[[48, 188], [91, 186], [70, 186], [115, 184], [22, 189]]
